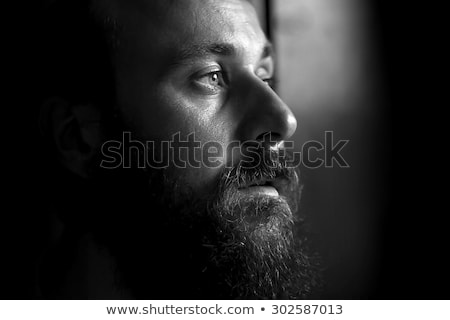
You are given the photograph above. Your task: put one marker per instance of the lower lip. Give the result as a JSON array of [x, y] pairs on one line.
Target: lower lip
[[261, 190]]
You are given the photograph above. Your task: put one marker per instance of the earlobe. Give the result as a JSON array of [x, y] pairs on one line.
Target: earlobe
[[75, 131]]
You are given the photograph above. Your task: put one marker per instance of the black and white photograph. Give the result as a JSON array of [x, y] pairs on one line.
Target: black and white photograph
[[222, 150]]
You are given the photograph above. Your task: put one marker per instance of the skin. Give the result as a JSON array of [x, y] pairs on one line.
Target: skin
[[221, 95]]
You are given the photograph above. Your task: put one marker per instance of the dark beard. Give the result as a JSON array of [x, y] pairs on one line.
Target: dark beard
[[169, 244], [262, 260]]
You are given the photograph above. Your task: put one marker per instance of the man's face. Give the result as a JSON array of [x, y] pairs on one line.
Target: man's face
[[199, 67], [204, 68]]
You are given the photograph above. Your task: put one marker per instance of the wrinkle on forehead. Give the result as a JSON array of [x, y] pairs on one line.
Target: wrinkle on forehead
[[154, 29], [214, 21]]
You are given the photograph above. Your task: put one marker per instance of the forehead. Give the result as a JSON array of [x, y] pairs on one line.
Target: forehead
[[169, 25]]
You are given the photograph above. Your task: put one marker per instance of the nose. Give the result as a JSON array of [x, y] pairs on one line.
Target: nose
[[265, 113]]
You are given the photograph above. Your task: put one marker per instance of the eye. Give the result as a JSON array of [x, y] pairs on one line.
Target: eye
[[212, 81], [214, 78]]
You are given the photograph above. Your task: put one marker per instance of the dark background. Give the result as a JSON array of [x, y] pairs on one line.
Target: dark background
[[414, 262]]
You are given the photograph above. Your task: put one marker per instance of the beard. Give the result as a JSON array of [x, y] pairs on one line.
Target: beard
[[168, 243]]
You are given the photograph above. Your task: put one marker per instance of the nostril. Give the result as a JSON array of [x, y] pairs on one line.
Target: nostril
[[269, 135], [269, 140]]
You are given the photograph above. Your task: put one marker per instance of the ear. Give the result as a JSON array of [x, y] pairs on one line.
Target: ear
[[75, 130]]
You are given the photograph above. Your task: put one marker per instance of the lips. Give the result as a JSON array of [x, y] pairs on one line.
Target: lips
[[262, 182]]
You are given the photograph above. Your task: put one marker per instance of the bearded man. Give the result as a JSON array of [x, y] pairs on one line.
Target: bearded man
[[213, 215]]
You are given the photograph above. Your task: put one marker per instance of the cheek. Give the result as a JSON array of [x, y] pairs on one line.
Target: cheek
[[160, 118], [203, 161], [159, 115], [200, 181]]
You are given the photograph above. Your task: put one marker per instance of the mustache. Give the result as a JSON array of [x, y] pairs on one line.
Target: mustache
[[262, 167]]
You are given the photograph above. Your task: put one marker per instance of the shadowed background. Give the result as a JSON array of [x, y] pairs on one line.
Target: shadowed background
[[328, 73]]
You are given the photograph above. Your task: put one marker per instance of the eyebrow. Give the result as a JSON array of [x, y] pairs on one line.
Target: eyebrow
[[219, 49]]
